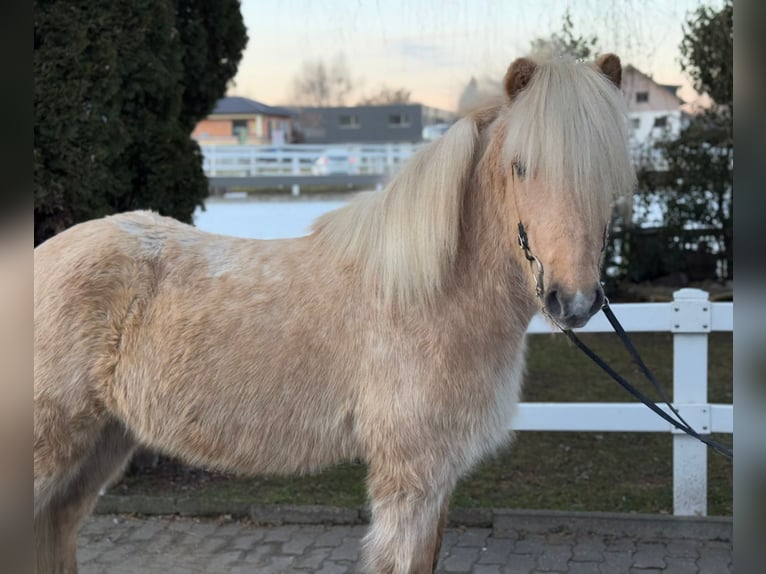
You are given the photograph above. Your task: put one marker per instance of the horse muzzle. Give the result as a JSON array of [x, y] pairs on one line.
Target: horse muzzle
[[573, 310]]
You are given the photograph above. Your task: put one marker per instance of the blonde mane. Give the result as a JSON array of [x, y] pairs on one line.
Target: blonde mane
[[567, 126], [407, 235]]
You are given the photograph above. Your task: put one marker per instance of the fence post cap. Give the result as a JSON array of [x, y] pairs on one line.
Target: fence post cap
[[689, 293]]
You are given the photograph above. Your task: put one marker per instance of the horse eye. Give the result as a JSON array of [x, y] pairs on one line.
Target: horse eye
[[519, 169]]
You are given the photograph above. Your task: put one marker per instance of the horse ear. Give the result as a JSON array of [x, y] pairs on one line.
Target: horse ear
[[518, 75], [610, 66]]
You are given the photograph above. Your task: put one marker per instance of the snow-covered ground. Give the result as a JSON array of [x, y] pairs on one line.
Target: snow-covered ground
[[277, 219], [261, 219]]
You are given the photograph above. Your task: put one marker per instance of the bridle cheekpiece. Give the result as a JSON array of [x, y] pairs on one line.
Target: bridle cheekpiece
[[540, 275]]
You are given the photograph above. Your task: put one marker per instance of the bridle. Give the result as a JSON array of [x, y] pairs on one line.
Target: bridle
[[540, 276], [678, 422]]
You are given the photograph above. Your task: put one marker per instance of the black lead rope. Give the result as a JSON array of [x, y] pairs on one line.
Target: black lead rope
[[678, 423], [628, 344]]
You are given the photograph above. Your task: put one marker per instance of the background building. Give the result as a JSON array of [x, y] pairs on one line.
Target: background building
[[654, 109], [237, 120], [366, 124]]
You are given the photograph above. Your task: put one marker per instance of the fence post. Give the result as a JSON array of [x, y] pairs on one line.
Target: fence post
[[389, 158], [212, 162], [690, 325], [253, 168]]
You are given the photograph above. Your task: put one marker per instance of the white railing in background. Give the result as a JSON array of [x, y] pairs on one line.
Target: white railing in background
[[690, 317], [298, 159]]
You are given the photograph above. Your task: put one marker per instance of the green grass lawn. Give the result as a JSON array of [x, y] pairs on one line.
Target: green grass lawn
[[616, 472]]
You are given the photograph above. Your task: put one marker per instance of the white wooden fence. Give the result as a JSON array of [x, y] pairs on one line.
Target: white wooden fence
[[298, 159], [690, 317], [233, 160]]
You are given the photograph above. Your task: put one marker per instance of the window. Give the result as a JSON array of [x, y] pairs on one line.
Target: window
[[398, 120], [642, 97], [635, 123], [349, 121], [238, 127], [661, 121], [239, 130]]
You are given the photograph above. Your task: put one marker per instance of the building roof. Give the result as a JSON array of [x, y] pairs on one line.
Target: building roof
[[240, 105], [671, 88]]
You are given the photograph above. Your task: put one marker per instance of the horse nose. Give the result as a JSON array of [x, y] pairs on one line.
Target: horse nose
[[573, 310]]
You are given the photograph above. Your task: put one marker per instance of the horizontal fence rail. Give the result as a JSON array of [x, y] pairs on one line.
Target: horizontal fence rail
[[690, 317], [300, 159], [619, 417], [248, 160]]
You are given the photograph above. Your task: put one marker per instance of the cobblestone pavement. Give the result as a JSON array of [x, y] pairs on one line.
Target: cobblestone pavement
[[111, 544]]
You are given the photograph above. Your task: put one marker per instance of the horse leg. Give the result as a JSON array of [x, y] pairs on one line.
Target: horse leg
[[440, 531], [67, 500], [407, 515]]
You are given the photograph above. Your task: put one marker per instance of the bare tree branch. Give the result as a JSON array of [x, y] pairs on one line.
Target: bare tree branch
[[387, 96], [321, 85]]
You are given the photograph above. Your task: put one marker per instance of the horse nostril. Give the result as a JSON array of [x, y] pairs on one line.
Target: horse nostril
[[573, 310], [552, 303]]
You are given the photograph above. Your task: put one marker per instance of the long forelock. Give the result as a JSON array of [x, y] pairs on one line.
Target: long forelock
[[569, 127]]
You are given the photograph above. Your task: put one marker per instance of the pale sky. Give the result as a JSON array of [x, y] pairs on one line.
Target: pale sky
[[432, 48]]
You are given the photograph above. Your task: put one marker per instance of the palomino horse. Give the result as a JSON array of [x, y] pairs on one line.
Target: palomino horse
[[393, 333]]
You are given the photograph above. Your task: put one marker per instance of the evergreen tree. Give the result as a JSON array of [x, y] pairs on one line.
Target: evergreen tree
[[119, 86], [707, 52]]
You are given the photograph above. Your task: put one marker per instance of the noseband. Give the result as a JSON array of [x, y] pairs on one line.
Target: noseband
[[539, 276]]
